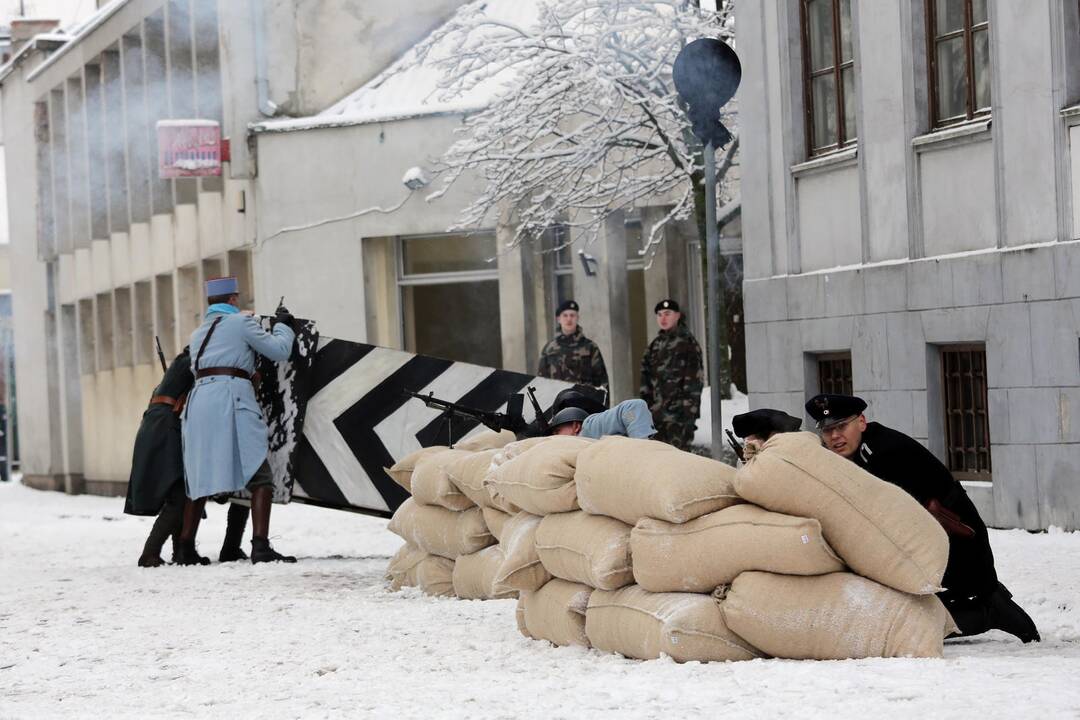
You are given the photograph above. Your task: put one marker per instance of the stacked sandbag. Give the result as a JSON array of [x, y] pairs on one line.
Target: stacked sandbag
[[439, 531], [880, 531], [521, 569], [555, 612], [467, 471], [413, 567], [486, 440], [834, 617], [539, 480], [432, 485], [631, 479], [643, 625], [590, 549], [474, 575], [712, 550], [401, 472]]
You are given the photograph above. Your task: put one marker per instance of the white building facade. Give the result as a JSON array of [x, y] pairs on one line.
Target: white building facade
[[911, 210]]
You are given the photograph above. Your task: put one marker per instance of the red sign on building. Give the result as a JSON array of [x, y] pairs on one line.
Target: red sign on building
[[188, 148]]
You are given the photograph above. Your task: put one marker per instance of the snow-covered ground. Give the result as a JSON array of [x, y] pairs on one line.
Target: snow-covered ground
[[84, 632]]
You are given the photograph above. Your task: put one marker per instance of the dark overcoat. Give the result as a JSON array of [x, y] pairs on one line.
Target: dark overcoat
[[157, 462], [903, 461]]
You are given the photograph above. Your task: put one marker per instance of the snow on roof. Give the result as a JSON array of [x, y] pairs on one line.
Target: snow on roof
[[410, 87]]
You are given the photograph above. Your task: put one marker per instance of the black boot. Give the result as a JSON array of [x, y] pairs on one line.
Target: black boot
[[1008, 616], [188, 555], [262, 552], [166, 523], [234, 534]]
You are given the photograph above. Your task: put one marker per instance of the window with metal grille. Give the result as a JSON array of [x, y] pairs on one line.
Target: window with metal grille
[[967, 423], [958, 59], [828, 75], [834, 373]]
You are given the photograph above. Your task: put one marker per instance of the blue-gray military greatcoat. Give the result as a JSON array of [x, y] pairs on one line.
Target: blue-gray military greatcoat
[[225, 436]]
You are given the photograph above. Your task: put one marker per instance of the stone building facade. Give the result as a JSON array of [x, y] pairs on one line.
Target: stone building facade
[[911, 193]]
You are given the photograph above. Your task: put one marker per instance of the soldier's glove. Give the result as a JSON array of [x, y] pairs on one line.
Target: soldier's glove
[[284, 316]]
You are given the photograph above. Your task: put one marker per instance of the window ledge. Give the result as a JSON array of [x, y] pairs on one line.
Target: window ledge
[[1072, 112], [838, 159], [973, 131]]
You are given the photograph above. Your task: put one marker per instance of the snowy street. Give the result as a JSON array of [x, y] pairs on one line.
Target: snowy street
[[83, 631]]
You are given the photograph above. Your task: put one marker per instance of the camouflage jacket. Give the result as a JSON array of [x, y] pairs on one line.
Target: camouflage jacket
[[672, 375], [573, 358]]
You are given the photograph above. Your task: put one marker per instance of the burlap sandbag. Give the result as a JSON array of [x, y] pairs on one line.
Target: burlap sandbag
[[632, 479], [474, 575], [541, 479], [440, 531], [401, 472], [467, 472], [435, 576], [590, 549], [495, 520], [519, 616], [431, 484], [412, 567], [711, 550], [833, 617], [641, 624], [502, 456], [879, 530], [556, 612], [400, 570], [521, 568], [486, 440]]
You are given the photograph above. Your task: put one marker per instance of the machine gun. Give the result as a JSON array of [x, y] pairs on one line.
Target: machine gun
[[160, 355], [513, 419]]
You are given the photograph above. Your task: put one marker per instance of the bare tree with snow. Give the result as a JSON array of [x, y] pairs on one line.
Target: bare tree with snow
[[583, 119]]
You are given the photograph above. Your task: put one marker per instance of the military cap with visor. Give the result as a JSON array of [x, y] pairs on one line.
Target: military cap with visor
[[829, 409]]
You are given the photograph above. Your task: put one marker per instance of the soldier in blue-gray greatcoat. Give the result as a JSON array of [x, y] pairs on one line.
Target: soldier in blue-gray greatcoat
[[225, 436]]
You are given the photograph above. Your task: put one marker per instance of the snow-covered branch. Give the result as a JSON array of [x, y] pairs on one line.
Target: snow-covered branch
[[586, 119]]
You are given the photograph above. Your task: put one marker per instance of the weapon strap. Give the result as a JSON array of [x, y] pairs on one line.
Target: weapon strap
[[213, 326]]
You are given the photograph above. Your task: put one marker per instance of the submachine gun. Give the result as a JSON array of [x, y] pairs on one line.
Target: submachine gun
[[513, 419]]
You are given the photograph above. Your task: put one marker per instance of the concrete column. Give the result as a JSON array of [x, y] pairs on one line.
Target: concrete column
[[516, 297], [605, 311], [667, 275]]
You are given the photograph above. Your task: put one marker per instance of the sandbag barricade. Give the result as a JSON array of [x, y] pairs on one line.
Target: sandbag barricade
[[440, 531], [401, 471], [432, 485], [541, 479], [467, 472], [474, 575], [521, 568], [712, 550], [495, 520], [834, 617], [556, 612], [633, 479], [879, 530], [589, 549], [644, 625]]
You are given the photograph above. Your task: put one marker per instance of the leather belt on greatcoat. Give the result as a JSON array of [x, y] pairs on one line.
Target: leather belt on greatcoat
[[229, 371]]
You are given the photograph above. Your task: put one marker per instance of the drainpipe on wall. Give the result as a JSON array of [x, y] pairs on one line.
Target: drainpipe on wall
[[262, 80]]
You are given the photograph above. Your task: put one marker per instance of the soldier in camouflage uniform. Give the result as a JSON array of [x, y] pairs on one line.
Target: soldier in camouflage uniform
[[571, 356], [672, 377]]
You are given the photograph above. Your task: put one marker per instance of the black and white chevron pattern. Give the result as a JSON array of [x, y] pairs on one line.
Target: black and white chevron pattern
[[359, 419]]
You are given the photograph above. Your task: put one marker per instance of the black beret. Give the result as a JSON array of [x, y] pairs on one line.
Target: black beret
[[764, 422], [667, 304], [830, 409], [564, 306]]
